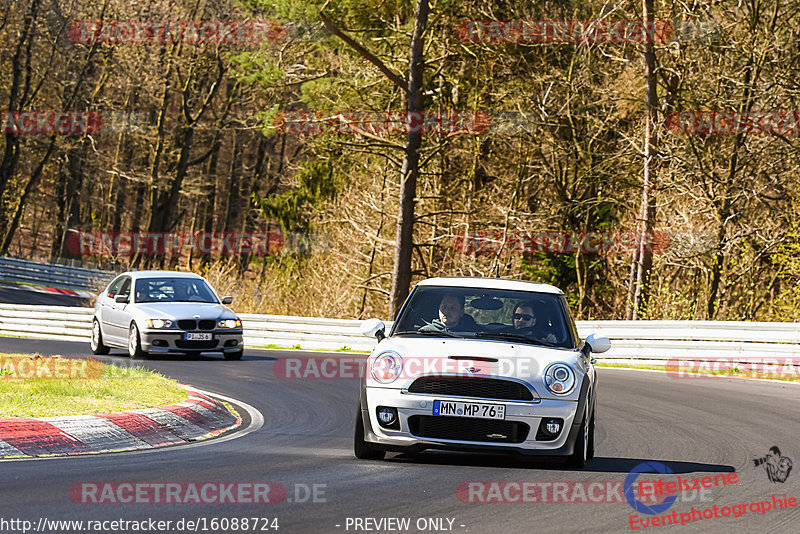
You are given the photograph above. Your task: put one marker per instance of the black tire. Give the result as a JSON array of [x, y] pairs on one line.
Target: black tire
[[97, 339], [234, 355], [579, 455], [592, 424], [361, 448], [135, 343]]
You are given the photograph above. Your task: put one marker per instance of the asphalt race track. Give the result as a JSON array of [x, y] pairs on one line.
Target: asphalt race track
[[697, 427], [22, 294]]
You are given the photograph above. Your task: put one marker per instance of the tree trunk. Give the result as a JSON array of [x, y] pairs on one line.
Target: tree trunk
[[647, 210], [401, 276]]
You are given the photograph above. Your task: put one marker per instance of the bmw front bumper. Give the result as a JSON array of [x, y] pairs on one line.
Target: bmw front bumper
[[166, 340]]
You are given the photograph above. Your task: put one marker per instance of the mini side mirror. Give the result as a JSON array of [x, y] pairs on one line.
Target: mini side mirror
[[227, 299], [598, 344], [373, 327], [122, 299]]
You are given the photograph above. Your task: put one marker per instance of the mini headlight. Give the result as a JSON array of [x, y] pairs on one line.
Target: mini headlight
[[158, 323], [386, 367], [230, 323], [559, 378]]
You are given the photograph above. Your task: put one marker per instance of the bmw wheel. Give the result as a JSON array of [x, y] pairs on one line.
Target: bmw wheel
[[96, 343], [135, 343]]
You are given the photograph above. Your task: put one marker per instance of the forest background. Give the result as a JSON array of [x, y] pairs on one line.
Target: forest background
[[193, 141]]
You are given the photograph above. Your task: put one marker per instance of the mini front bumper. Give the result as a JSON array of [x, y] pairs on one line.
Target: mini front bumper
[[530, 413], [170, 340]]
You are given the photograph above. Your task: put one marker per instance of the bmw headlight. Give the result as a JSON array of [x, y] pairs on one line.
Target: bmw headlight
[[230, 323], [559, 378], [386, 367], [158, 323]]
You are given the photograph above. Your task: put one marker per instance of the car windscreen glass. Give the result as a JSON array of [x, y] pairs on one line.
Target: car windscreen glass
[[173, 290], [486, 314]]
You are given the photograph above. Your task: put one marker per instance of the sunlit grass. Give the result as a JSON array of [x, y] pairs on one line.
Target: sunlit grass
[[36, 386]]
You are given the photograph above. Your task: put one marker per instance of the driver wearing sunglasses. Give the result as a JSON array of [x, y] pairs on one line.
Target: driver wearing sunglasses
[[525, 322]]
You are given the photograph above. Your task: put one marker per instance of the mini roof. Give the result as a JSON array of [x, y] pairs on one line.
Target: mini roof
[[491, 283]]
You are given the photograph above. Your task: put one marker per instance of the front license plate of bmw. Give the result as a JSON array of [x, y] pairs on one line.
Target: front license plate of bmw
[[198, 336], [469, 409]]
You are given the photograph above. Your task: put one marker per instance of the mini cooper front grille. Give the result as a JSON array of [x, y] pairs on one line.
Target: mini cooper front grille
[[466, 429], [477, 387]]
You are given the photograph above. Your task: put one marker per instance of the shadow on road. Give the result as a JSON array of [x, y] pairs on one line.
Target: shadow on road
[[624, 465], [596, 465]]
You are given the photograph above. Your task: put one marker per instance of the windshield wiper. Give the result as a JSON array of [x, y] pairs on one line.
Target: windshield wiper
[[442, 333], [515, 337]]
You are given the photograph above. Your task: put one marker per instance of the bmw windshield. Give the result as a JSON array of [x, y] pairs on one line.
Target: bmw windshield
[[504, 315], [173, 290]]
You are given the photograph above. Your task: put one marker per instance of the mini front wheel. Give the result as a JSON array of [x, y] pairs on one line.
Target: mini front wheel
[[362, 449]]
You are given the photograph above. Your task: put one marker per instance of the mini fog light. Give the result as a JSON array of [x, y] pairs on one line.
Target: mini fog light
[[387, 417], [553, 427], [549, 429]]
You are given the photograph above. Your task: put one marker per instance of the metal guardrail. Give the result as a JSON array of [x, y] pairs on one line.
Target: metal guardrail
[[639, 341], [61, 276]]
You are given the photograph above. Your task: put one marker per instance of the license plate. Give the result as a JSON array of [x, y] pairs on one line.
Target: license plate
[[469, 409], [197, 336]]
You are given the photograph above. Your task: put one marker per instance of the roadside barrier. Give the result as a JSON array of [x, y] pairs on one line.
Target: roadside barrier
[[631, 341], [51, 274]]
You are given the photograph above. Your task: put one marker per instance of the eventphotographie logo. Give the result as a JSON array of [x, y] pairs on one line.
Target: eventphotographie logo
[[777, 467]]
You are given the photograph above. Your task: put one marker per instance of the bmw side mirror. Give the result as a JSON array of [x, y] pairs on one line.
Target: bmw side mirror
[[122, 299], [374, 327], [227, 299], [598, 344]]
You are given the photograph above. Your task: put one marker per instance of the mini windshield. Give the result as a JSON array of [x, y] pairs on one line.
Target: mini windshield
[[173, 290], [504, 315]]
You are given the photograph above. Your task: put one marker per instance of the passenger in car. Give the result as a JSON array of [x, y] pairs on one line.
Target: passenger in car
[[525, 323], [452, 316]]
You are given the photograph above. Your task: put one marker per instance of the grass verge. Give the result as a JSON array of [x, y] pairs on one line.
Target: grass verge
[[36, 386]]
